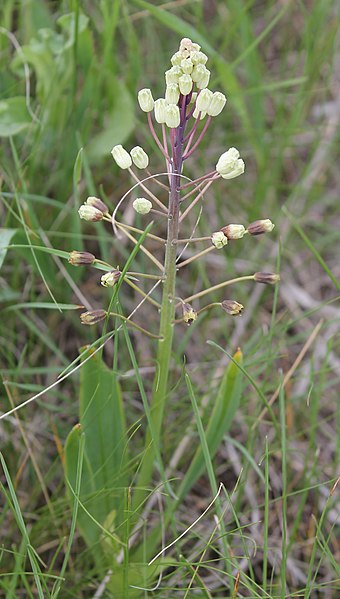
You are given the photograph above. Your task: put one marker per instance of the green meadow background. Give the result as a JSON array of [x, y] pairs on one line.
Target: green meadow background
[[69, 76]]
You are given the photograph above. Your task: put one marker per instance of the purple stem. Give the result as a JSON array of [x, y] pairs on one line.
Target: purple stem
[[199, 139], [197, 180], [155, 136]]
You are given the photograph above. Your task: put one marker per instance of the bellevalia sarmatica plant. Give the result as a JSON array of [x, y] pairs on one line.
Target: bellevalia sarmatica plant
[[183, 117]]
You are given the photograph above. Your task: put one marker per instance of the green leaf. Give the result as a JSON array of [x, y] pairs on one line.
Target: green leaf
[[117, 128], [14, 116], [225, 406], [104, 469], [5, 239]]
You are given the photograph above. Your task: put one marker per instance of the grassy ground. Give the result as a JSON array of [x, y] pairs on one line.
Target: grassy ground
[[278, 63]]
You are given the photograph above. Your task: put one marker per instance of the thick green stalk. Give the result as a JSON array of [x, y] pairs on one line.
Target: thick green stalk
[[160, 385]]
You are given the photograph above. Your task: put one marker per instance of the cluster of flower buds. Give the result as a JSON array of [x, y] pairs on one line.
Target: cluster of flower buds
[[232, 231], [124, 160], [93, 209], [188, 70]]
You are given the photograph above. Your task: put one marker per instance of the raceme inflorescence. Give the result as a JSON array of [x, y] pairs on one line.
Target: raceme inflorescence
[[178, 122]]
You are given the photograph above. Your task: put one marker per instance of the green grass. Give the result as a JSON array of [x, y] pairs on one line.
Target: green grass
[[273, 527]]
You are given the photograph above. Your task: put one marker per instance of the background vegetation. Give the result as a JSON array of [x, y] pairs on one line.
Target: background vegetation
[[278, 63]]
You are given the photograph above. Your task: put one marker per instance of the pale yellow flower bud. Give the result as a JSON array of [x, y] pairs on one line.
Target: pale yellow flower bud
[[189, 314], [121, 157], [173, 74], [172, 93], [142, 205], [172, 116], [198, 58], [90, 213], [160, 110], [219, 240], [260, 226], [217, 104], [185, 84], [145, 100], [203, 100], [187, 66], [110, 278], [176, 59], [139, 157], [229, 164], [234, 231], [92, 316]]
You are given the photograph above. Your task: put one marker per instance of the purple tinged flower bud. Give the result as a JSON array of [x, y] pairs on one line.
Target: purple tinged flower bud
[[80, 258], [173, 75], [145, 100], [172, 116], [232, 307], [217, 104], [268, 278], [185, 84], [189, 314], [139, 157], [90, 213], [187, 46], [172, 93], [92, 316], [203, 100], [97, 203], [219, 240], [110, 278], [199, 58], [121, 157], [187, 66], [229, 164], [258, 227], [234, 231], [142, 205], [160, 110]]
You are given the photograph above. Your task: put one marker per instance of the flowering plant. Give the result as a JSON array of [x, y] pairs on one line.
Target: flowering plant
[[183, 116]]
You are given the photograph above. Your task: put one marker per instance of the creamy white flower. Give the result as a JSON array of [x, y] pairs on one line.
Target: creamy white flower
[[121, 156], [217, 104], [142, 205], [219, 240], [172, 93], [110, 278], [139, 157], [229, 164], [160, 110], [185, 84], [172, 116], [187, 66], [90, 213], [203, 100], [173, 74], [145, 100]]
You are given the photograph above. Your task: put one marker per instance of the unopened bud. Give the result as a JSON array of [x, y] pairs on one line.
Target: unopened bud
[[187, 66], [219, 240], [121, 157], [196, 113], [92, 317], [176, 59], [231, 307], [80, 258], [90, 213], [229, 164], [217, 104], [145, 100], [198, 58], [110, 278], [189, 314], [201, 76], [142, 205], [97, 203], [234, 231], [139, 157], [185, 84], [160, 110], [172, 93], [172, 116], [260, 226], [203, 100], [173, 75], [268, 278]]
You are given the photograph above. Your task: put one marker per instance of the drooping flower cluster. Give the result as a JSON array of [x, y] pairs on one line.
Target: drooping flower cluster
[[187, 101]]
